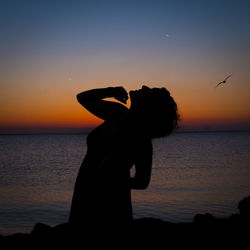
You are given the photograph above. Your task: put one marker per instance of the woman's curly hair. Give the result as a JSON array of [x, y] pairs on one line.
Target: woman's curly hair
[[160, 113]]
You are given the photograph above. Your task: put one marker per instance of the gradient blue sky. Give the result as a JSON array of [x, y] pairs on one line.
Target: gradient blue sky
[[51, 50]]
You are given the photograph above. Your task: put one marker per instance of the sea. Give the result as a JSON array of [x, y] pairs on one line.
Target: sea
[[193, 172]]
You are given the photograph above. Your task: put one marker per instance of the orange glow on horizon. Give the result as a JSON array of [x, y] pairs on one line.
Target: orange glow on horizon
[[58, 107], [74, 116]]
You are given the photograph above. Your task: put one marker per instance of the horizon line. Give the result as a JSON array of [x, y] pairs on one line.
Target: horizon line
[[174, 132]]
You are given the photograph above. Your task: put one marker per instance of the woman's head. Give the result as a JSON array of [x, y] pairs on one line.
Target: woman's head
[[156, 109]]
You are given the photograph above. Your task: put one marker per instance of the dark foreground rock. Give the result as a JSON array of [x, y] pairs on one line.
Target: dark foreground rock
[[205, 230]]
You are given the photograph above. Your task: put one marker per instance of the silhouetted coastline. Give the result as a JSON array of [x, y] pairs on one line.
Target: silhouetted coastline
[[205, 229]]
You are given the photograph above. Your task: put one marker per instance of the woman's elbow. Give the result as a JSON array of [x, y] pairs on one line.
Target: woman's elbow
[[78, 97], [139, 184], [143, 186], [81, 99]]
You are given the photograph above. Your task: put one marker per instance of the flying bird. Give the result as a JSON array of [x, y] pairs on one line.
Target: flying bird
[[224, 81]]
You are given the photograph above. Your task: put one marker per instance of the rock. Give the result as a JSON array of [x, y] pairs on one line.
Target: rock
[[41, 230], [14, 241], [244, 206], [205, 219], [142, 232]]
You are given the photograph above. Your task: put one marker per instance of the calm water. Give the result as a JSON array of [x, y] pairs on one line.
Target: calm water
[[192, 173]]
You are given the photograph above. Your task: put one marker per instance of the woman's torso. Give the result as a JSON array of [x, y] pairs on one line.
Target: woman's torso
[[113, 146]]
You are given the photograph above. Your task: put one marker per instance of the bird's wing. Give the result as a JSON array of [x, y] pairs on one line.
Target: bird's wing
[[227, 77], [218, 84]]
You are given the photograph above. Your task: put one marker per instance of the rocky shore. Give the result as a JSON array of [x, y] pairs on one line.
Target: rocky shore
[[205, 230]]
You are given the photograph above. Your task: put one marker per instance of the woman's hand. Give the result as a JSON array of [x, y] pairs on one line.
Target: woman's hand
[[120, 94]]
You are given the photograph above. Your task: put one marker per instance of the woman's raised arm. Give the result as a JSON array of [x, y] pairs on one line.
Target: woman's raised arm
[[93, 101]]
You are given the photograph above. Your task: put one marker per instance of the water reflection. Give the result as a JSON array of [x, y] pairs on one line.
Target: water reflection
[[192, 173]]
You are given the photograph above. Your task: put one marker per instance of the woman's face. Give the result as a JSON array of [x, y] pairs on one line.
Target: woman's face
[[139, 97], [139, 93]]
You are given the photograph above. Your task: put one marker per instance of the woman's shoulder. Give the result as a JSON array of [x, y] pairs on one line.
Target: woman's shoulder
[[107, 129], [94, 134]]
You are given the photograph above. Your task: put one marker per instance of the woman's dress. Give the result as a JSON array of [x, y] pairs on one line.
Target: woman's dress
[[102, 193]]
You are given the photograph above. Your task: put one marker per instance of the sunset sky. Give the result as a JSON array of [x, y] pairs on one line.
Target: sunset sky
[[52, 50]]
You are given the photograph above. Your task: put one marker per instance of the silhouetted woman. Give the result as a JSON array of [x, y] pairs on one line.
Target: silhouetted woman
[[102, 194]]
